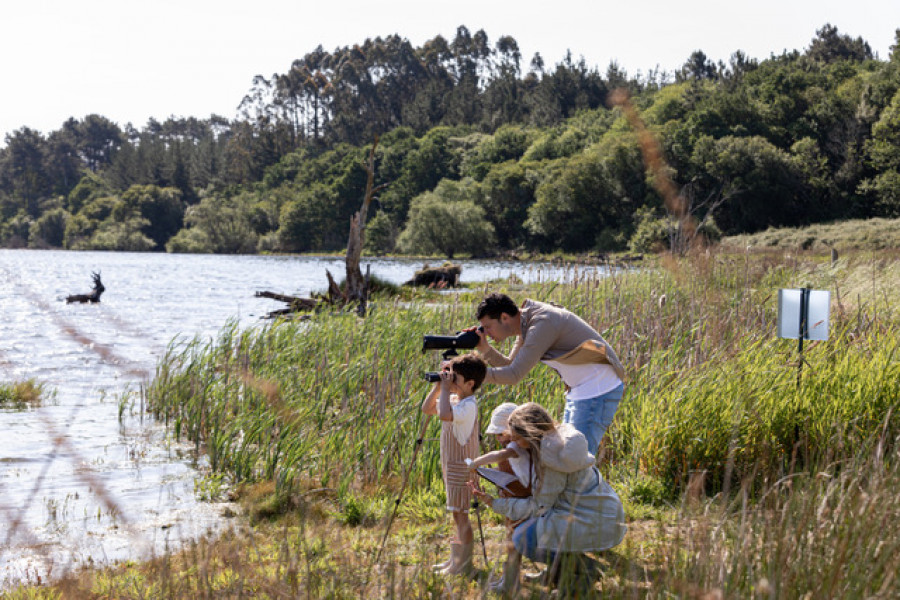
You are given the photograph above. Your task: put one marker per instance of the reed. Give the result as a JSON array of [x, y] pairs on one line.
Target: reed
[[761, 487], [19, 395]]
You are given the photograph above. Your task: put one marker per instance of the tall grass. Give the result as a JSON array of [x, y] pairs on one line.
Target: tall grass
[[335, 399], [773, 488]]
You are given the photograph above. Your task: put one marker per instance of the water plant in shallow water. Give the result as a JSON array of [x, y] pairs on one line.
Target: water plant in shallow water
[[21, 394]]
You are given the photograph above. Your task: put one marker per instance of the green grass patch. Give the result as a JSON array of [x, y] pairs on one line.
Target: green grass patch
[[21, 394]]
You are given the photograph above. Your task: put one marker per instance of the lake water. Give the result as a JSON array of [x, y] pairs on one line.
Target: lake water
[[86, 478]]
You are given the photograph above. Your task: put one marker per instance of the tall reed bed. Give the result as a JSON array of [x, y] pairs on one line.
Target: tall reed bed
[[712, 393]]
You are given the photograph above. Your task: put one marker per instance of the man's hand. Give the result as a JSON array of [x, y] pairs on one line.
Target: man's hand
[[483, 344]]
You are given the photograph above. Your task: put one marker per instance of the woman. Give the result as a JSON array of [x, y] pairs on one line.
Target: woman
[[573, 510]]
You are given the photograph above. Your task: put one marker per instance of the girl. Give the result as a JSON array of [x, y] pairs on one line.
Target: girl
[[512, 459]]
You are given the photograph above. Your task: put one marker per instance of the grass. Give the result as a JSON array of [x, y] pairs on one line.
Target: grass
[[858, 234], [20, 395], [738, 482]]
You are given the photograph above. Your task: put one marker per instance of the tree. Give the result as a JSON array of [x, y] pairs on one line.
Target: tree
[[221, 223], [697, 68], [161, 207], [49, 230], [883, 152], [582, 199], [507, 192], [829, 46], [438, 224], [763, 185], [98, 140], [22, 172]]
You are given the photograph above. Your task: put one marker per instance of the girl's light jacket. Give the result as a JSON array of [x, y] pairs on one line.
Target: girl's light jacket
[[576, 508]]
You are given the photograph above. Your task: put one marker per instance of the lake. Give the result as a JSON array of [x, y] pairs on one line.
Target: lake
[[86, 478]]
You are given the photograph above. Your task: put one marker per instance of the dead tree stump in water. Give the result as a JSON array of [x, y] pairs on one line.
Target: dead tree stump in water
[[443, 276], [91, 298]]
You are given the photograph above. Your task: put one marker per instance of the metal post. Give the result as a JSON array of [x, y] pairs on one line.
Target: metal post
[[804, 317]]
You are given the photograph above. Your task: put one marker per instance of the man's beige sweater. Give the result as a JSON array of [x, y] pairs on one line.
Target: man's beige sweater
[[550, 333]]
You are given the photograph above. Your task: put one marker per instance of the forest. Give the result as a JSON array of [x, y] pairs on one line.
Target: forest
[[478, 153]]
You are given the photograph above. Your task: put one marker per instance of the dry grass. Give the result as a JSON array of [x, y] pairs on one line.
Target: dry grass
[[861, 235]]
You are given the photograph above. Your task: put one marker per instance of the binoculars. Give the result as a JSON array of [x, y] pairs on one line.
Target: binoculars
[[449, 344]]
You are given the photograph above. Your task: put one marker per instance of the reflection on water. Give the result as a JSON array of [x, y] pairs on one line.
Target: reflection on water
[[79, 484]]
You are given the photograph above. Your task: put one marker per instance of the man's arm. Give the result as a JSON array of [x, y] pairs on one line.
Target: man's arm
[[525, 355]]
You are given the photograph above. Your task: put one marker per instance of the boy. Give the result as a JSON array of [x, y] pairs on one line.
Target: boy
[[453, 401]]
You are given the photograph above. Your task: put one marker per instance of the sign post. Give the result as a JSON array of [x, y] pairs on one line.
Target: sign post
[[803, 314]]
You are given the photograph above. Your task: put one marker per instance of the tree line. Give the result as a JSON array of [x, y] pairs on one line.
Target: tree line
[[476, 155]]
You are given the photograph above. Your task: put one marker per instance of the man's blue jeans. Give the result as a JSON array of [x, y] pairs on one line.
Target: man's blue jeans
[[592, 416]]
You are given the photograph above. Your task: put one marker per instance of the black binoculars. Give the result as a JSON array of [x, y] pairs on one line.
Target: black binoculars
[[432, 376], [449, 343]]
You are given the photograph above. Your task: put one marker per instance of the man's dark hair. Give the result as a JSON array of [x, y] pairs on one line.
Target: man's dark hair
[[470, 367], [496, 304]]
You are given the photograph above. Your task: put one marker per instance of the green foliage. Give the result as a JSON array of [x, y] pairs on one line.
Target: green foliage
[[756, 181], [217, 224], [89, 188], [381, 234], [161, 207], [653, 233], [447, 222], [798, 138], [49, 230], [507, 192], [20, 395], [125, 235], [587, 194]]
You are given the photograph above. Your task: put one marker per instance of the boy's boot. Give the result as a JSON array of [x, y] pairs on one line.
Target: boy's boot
[[439, 567], [461, 557]]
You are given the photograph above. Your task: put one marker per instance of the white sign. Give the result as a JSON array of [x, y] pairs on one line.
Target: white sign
[[809, 306]]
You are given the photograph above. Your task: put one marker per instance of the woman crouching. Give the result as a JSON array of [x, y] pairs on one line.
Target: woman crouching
[[573, 510]]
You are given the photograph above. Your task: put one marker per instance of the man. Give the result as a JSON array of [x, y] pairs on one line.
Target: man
[[563, 341]]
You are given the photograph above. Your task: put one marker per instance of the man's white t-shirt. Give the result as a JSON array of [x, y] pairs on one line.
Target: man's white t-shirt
[[586, 381]]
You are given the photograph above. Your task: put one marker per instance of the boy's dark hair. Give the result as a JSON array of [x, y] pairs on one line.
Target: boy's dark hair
[[494, 305], [470, 367]]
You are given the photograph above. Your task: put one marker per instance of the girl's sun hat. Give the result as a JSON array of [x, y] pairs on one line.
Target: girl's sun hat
[[500, 417]]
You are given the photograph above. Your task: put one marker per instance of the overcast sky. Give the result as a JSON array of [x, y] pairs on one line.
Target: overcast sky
[[130, 60]]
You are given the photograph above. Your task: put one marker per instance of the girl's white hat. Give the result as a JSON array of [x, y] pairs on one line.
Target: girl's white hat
[[500, 417]]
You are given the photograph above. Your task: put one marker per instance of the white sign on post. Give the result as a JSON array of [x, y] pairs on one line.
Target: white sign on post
[[803, 311]]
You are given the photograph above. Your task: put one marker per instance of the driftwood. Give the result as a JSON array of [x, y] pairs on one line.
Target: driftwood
[[294, 304], [356, 289], [91, 298], [443, 276]]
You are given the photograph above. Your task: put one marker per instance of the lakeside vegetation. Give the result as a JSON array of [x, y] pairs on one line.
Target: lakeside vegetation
[[18, 395], [480, 152], [738, 482]]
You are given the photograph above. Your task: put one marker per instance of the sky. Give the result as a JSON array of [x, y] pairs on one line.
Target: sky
[[132, 60]]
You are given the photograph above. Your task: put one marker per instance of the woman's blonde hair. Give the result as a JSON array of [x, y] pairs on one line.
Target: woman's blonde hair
[[532, 423]]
